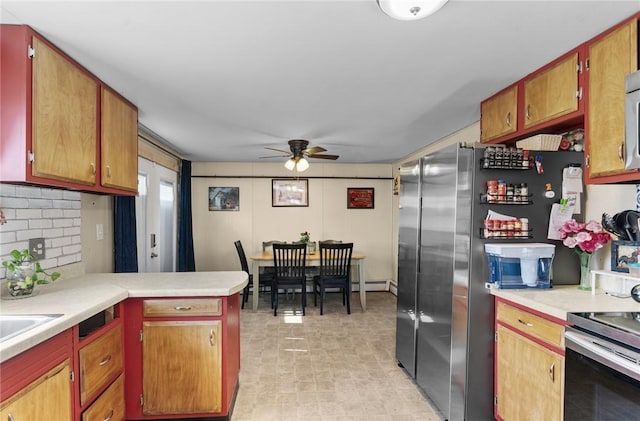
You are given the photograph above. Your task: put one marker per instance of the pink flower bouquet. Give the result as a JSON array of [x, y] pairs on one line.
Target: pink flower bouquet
[[582, 237]]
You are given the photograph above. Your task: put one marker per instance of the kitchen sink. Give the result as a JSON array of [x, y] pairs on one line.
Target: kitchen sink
[[15, 324]]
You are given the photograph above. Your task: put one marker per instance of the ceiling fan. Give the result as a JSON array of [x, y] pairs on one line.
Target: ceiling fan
[[299, 151]]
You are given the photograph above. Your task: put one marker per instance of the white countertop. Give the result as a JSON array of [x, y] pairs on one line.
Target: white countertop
[[79, 298], [561, 300]]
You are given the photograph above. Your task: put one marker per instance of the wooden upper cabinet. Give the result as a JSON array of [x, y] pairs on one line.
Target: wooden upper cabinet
[[552, 93], [499, 115], [61, 126], [610, 59], [64, 118], [119, 142]]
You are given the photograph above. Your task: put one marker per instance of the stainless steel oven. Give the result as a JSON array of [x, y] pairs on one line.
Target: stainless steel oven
[[631, 151], [602, 367]]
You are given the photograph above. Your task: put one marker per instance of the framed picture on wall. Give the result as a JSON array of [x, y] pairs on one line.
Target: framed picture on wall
[[360, 197], [623, 253], [224, 198], [289, 192]]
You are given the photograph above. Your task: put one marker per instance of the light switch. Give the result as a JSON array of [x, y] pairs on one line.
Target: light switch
[[99, 232]]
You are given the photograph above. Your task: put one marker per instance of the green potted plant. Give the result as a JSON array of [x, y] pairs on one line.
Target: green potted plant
[[24, 272]]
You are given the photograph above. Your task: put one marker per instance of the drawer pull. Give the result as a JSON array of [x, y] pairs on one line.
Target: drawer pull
[[110, 415], [552, 372], [182, 308], [525, 323], [212, 338], [105, 361]]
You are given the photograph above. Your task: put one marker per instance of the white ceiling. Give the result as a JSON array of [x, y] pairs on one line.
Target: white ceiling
[[221, 80]]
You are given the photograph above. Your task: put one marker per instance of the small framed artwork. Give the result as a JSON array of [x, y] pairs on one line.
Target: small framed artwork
[[224, 198], [290, 192], [623, 253], [360, 197]]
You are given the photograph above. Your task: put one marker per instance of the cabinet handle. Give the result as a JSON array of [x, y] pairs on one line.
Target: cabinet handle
[[528, 113], [212, 338], [109, 416], [182, 308], [552, 372], [509, 119], [105, 361], [93, 168], [10, 418], [525, 323], [108, 171], [621, 152]]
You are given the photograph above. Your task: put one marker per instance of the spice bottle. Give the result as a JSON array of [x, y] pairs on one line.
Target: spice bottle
[[510, 192], [492, 191], [524, 222], [524, 192], [502, 191]]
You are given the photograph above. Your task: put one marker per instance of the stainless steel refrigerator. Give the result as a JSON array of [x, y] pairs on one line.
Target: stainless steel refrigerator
[[445, 315]]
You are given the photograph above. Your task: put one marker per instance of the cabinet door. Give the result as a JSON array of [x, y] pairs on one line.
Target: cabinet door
[[610, 60], [529, 379], [47, 398], [499, 115], [64, 118], [551, 93], [119, 143], [182, 367]]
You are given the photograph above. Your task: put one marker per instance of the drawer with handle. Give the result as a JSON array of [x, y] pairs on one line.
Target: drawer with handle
[[109, 406], [535, 326], [100, 361], [187, 307]]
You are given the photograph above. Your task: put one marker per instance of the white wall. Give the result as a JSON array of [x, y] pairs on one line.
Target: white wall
[[326, 217]]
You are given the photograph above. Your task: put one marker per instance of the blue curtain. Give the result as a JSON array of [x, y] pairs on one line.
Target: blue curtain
[[125, 242], [186, 261]]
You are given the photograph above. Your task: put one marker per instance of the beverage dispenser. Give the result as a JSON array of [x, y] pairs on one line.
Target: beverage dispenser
[[519, 265]]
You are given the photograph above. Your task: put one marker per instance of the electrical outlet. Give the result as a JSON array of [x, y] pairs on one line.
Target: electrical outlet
[[36, 247]]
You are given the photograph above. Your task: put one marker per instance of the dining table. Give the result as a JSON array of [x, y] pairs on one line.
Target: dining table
[[313, 259]]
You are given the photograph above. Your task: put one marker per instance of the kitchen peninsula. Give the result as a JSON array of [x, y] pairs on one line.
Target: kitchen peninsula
[[106, 335]]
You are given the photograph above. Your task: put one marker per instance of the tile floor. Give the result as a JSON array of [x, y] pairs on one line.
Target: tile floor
[[331, 367]]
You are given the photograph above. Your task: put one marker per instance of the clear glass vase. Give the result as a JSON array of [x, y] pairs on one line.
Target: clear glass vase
[[20, 282], [585, 278]]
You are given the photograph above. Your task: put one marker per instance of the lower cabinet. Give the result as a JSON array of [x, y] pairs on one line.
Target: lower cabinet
[[46, 398], [182, 357], [529, 382]]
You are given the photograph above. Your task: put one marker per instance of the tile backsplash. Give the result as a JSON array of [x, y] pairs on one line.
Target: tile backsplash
[[35, 212]]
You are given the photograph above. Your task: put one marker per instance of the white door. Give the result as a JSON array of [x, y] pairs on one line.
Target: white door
[[156, 216]]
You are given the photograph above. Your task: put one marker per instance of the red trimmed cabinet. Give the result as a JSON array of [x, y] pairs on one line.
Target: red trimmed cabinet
[[529, 364], [43, 375], [583, 88], [183, 357], [62, 126]]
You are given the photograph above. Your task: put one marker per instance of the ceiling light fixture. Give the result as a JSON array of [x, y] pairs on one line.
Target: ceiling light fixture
[[410, 9], [298, 163]]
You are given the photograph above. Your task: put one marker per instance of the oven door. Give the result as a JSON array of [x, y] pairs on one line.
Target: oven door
[[631, 154], [602, 379]]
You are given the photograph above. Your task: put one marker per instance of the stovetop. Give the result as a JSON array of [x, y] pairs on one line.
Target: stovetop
[[623, 327]]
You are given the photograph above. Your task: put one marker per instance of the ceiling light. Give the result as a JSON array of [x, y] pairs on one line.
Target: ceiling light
[[290, 164], [410, 9], [298, 163], [302, 165]]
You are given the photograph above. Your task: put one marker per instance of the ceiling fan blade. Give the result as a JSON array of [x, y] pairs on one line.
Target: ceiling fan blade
[[276, 156], [314, 150], [278, 150], [334, 157]]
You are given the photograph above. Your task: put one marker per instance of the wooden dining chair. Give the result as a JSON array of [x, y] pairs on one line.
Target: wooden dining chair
[[335, 272], [289, 262], [265, 281]]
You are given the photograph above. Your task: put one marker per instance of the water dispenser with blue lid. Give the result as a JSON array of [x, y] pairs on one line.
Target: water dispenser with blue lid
[[519, 265]]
